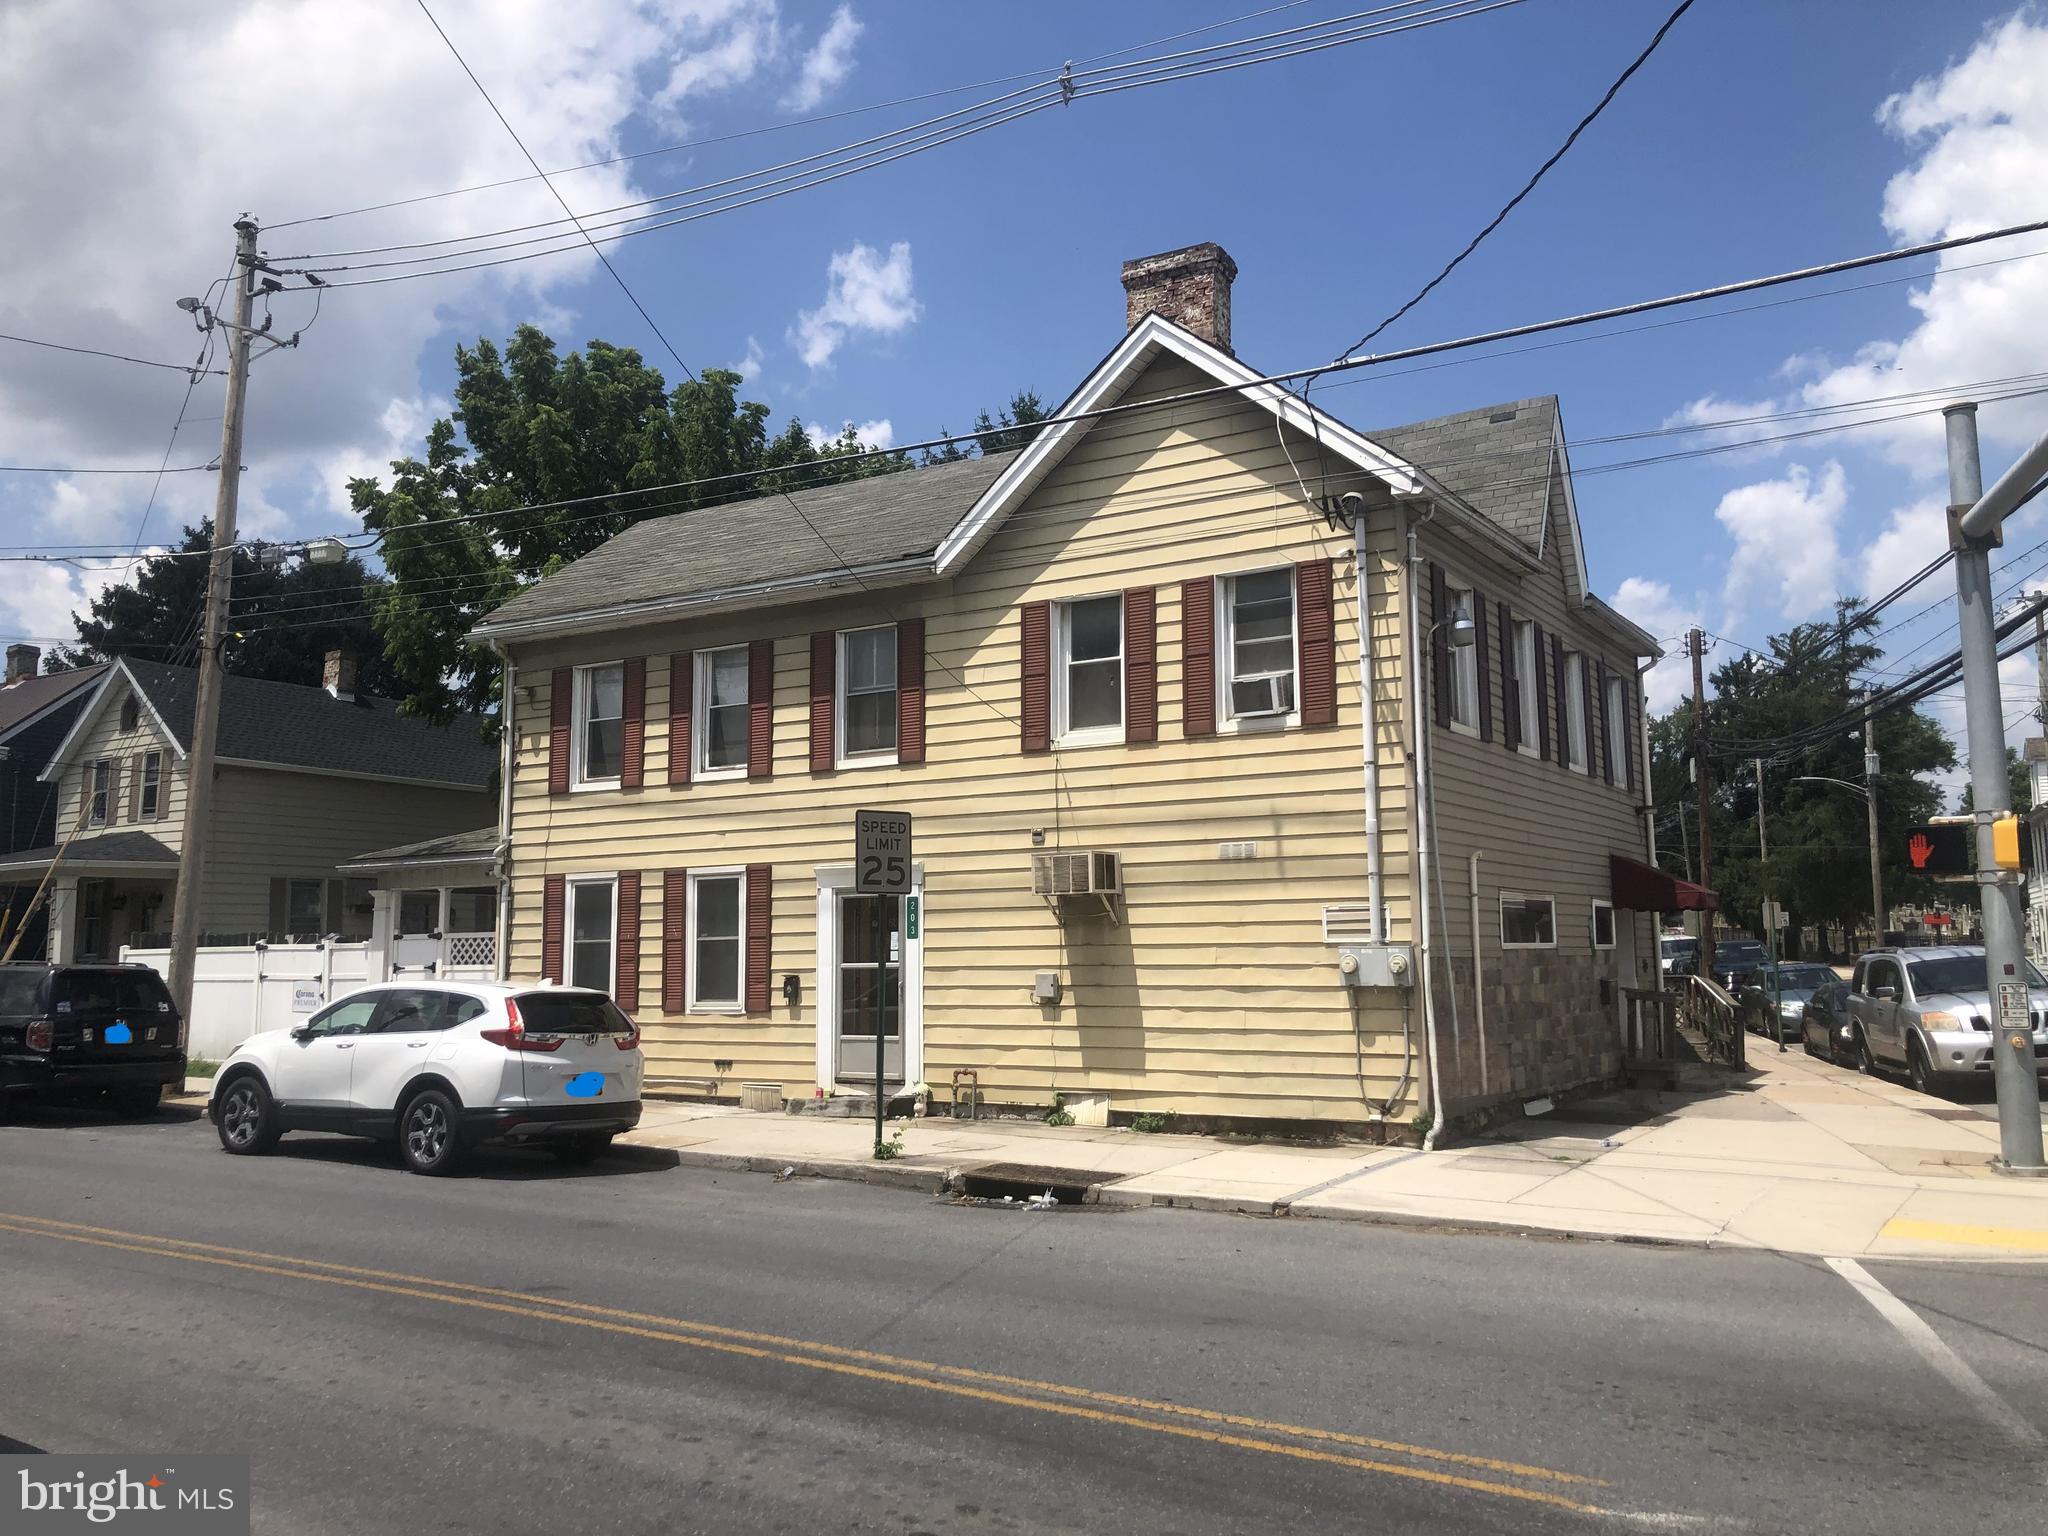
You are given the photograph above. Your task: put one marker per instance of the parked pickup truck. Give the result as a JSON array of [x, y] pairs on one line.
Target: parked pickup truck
[[1929, 1011]]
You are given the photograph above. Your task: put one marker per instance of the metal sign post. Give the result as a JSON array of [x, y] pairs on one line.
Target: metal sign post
[[882, 869]]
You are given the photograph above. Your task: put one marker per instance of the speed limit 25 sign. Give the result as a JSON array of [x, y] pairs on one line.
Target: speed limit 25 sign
[[881, 852]]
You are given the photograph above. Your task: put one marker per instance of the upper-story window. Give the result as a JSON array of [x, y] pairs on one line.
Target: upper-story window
[[1575, 711], [99, 781], [1529, 697], [721, 725], [867, 694], [600, 723], [1615, 719], [1259, 663], [1088, 678], [149, 795], [131, 713], [1464, 667]]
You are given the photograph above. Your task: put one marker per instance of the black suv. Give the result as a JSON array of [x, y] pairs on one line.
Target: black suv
[[70, 1031]]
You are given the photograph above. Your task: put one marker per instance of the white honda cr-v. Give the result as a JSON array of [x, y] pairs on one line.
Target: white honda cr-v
[[440, 1068]]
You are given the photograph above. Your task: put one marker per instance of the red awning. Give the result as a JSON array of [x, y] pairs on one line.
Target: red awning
[[1644, 888]]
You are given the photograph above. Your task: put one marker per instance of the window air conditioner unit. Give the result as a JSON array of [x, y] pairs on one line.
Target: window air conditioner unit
[[1076, 872], [1272, 694]]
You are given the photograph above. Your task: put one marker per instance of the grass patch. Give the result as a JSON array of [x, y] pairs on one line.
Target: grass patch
[[201, 1066]]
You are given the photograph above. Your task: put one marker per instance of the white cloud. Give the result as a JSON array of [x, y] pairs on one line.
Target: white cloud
[[879, 433], [828, 63], [129, 169], [1912, 536], [1785, 542], [727, 43], [749, 367], [864, 292], [1667, 617]]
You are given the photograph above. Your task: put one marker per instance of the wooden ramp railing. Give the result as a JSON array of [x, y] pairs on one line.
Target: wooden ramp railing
[[1707, 1012]]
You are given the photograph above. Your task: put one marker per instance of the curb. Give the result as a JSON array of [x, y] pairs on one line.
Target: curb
[[1483, 1228]]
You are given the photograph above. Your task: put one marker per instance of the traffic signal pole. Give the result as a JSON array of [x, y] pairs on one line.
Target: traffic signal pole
[[1999, 893]]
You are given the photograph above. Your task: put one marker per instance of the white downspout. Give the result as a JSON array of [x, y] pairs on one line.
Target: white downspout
[[1419, 854], [1479, 979], [1368, 726], [501, 856]]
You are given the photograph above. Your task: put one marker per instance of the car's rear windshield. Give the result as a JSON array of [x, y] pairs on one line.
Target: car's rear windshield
[[571, 1013], [90, 991], [19, 990], [1680, 946], [1805, 978], [1959, 973]]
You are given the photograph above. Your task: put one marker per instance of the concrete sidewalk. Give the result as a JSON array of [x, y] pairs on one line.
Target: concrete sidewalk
[[1798, 1156]]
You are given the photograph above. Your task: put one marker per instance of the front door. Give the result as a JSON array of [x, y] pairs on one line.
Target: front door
[[868, 994]]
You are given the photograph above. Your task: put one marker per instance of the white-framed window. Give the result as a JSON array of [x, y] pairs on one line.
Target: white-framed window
[[600, 724], [151, 798], [1530, 697], [593, 933], [305, 906], [1575, 711], [99, 788], [718, 902], [867, 695], [1603, 925], [1615, 720], [1463, 679], [720, 728], [1527, 922], [1256, 651], [1088, 672]]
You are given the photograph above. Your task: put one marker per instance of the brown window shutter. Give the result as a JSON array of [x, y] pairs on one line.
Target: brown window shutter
[[1482, 668], [910, 690], [1141, 664], [559, 694], [1630, 736], [1596, 716], [1439, 645], [1510, 682], [824, 659], [675, 939], [1542, 686], [1564, 719], [682, 682], [760, 955], [1198, 657], [761, 709], [554, 896], [1315, 638], [135, 789], [633, 728], [626, 962], [1034, 651]]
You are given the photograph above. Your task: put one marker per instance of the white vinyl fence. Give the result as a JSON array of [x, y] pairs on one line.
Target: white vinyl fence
[[239, 990]]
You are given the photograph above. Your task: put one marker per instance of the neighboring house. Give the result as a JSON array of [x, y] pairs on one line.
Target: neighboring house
[[1140, 636], [35, 713], [305, 778]]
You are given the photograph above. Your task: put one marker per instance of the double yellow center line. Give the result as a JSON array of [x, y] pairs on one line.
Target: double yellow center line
[[1425, 1464]]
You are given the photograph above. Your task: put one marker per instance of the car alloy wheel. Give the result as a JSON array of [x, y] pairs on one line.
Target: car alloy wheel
[[1918, 1072], [1865, 1062], [426, 1134], [247, 1122]]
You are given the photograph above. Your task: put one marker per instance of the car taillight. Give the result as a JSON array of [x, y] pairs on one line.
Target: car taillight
[[38, 1036], [514, 1036], [629, 1039]]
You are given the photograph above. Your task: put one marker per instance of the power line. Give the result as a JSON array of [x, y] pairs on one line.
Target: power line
[[1530, 185], [119, 357]]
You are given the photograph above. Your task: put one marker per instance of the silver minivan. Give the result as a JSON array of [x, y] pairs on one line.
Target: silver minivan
[[1930, 1012]]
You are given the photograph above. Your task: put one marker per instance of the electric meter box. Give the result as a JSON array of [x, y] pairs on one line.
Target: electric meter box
[[1376, 965]]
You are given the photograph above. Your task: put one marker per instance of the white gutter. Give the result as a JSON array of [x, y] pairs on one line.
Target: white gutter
[[1420, 853], [501, 856], [1368, 709], [1479, 978]]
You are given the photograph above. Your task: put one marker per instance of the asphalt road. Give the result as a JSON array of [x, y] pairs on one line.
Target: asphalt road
[[646, 1348]]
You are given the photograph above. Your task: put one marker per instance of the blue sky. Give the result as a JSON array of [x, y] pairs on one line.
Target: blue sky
[[1752, 142]]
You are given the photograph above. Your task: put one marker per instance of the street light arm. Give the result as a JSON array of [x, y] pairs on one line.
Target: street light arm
[[2013, 487], [1821, 778]]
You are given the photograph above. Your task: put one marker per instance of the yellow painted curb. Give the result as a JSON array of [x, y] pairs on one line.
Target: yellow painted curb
[[2013, 1239]]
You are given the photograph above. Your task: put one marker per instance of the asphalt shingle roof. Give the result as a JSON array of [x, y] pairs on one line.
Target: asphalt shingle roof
[[108, 848], [20, 700], [1496, 458], [712, 549], [295, 726], [480, 844]]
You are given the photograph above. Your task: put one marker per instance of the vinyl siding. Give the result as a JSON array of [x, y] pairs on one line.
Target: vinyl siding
[[269, 823], [104, 738], [1216, 995]]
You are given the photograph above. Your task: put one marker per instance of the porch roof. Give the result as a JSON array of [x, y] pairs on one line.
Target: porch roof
[[110, 849], [456, 848], [1640, 887]]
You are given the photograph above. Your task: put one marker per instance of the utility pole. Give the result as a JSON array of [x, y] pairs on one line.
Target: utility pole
[[220, 568], [1696, 648], [2041, 666], [2012, 1040], [1770, 914], [1870, 810]]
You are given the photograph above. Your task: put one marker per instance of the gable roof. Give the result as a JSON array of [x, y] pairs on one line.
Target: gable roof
[[33, 697], [293, 726], [1496, 458], [758, 548]]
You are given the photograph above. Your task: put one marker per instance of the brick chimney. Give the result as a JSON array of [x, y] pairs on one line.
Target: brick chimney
[[338, 677], [1190, 286], [22, 661]]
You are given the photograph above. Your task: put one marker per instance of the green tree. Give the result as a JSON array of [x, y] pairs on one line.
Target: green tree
[[2020, 785], [283, 618], [1011, 429]]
